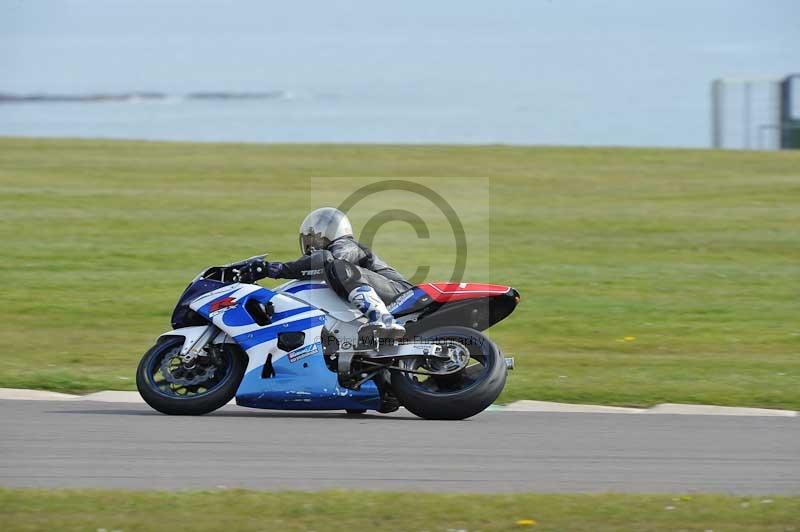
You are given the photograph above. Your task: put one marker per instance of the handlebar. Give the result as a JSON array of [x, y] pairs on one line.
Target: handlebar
[[245, 271], [250, 271]]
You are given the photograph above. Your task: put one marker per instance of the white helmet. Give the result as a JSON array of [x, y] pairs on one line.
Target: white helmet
[[321, 227]]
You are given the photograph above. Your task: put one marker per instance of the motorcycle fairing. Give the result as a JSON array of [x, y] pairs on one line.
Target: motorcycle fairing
[[451, 292], [474, 305], [304, 383], [297, 379], [408, 302], [321, 296]]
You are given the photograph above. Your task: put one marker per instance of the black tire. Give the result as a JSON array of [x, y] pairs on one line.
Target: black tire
[[457, 399], [215, 398]]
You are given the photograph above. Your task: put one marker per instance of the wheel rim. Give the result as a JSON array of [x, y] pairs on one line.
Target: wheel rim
[[477, 368], [168, 377]]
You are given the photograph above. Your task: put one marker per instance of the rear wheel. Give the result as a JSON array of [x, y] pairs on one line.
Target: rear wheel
[[171, 387], [459, 395]]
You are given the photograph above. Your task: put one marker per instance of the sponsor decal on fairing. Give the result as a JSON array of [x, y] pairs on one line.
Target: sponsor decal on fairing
[[400, 300], [303, 352], [222, 305]]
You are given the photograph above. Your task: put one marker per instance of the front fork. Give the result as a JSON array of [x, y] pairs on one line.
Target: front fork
[[194, 340]]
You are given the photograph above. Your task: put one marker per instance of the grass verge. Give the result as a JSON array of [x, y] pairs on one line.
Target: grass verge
[[646, 275], [66, 510]]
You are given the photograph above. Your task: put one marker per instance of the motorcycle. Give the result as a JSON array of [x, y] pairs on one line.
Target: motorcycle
[[297, 347]]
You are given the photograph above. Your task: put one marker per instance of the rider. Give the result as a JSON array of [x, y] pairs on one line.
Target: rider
[[350, 268]]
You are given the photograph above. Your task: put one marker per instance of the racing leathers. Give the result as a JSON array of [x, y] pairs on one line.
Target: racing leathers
[[357, 274]]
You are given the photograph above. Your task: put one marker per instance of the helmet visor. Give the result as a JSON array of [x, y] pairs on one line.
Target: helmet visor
[[321, 227], [311, 242]]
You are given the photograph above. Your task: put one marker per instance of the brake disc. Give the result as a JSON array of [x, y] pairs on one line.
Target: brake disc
[[200, 374]]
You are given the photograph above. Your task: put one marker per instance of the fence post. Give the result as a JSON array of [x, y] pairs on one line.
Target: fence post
[[716, 114], [747, 126]]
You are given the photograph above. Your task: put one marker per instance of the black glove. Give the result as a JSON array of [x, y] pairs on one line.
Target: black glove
[[274, 270], [253, 271]]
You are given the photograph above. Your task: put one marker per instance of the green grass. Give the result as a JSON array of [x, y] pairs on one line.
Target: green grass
[[67, 510], [693, 255]]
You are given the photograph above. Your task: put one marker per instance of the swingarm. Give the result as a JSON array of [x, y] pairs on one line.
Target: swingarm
[[356, 366]]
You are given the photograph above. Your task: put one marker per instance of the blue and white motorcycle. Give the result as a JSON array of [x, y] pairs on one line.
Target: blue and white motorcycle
[[296, 347]]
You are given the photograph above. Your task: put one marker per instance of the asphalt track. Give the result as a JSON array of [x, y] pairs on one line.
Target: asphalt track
[[92, 444]]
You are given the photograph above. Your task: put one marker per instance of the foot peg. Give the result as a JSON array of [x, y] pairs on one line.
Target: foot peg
[[381, 331]]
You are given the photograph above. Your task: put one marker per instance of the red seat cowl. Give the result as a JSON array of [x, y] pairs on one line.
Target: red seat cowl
[[443, 292]]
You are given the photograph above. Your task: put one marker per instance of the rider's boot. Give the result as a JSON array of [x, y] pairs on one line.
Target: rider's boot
[[381, 322]]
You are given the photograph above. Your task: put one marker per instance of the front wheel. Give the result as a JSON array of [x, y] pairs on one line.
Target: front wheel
[[171, 387], [455, 396]]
